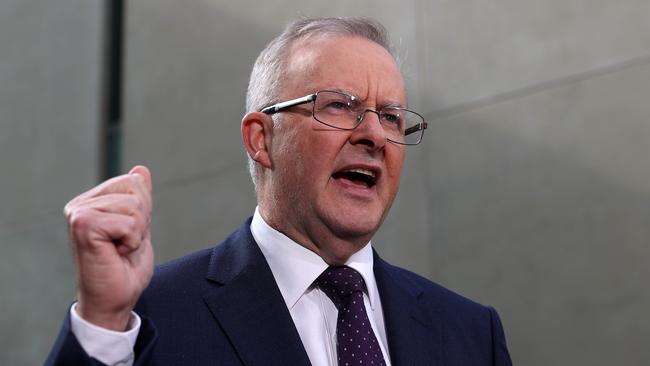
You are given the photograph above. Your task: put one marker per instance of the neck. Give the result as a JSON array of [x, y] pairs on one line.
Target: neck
[[333, 249]]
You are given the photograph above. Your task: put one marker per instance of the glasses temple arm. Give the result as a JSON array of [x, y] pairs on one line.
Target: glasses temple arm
[[288, 104], [416, 128]]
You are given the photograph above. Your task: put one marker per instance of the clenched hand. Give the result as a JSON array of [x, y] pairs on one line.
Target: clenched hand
[[111, 237]]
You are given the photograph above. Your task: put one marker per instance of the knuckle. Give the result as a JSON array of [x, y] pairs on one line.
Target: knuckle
[[135, 204], [132, 225], [139, 204], [70, 207], [128, 200], [80, 220]]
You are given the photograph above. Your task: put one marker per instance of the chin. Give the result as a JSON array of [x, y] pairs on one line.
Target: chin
[[351, 220], [354, 228]]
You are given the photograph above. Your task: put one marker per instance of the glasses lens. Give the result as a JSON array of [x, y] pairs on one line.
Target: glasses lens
[[402, 126], [343, 111], [337, 109]]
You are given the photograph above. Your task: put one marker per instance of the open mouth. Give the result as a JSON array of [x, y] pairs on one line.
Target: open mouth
[[362, 177]]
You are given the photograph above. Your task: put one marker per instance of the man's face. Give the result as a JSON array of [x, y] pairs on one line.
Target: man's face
[[330, 189]]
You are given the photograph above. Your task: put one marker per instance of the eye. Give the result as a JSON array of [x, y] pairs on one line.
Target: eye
[[393, 119], [331, 104], [337, 105], [334, 104]]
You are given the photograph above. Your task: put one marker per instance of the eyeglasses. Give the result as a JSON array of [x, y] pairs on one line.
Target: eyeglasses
[[346, 112]]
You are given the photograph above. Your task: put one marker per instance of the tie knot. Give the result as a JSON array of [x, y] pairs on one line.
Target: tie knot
[[340, 282]]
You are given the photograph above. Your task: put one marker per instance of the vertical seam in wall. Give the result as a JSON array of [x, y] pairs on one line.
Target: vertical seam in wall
[[111, 89]]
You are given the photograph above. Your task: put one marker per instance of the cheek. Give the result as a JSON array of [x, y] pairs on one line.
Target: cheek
[[394, 164], [320, 152], [285, 156], [301, 160], [315, 169]]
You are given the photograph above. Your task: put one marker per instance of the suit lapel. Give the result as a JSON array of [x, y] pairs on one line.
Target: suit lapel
[[413, 330], [247, 304]]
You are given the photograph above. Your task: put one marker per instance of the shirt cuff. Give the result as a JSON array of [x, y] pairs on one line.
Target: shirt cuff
[[105, 345]]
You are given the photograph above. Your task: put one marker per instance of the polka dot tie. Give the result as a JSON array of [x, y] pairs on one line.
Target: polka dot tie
[[356, 342]]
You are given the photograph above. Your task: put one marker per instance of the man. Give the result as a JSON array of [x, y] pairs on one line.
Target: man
[[299, 283]]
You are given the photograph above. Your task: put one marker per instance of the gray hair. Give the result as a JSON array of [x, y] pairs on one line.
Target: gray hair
[[270, 67]]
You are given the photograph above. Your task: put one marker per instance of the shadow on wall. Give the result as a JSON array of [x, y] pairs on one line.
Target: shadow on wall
[[539, 206]]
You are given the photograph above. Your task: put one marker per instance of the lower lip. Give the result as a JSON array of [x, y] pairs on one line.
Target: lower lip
[[356, 189]]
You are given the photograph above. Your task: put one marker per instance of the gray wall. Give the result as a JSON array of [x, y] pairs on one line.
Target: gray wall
[[49, 57], [529, 193]]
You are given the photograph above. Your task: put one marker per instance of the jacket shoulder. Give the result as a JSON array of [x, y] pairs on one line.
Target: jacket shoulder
[[437, 296], [463, 323]]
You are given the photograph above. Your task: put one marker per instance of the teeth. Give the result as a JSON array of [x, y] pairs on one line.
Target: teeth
[[362, 171]]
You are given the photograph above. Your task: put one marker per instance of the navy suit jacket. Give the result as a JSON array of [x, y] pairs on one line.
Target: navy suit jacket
[[222, 306]]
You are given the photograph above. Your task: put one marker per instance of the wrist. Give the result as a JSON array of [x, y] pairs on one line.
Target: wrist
[[116, 320]]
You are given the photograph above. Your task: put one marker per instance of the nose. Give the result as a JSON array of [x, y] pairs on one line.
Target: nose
[[369, 132]]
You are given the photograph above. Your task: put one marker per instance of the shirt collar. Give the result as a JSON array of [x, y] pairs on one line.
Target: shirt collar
[[295, 267]]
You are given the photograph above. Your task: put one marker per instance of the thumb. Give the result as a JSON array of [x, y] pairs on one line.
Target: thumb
[[144, 172]]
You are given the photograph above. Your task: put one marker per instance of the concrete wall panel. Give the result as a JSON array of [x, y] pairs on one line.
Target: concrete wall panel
[[49, 133], [540, 207], [473, 50]]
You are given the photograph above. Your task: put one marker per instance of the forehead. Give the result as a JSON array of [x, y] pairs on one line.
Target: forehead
[[354, 64]]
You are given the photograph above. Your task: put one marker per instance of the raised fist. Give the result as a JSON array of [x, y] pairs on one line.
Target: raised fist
[[111, 238]]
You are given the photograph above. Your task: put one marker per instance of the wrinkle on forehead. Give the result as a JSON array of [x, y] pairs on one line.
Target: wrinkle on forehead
[[310, 68]]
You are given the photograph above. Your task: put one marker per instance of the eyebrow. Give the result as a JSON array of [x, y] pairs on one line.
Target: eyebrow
[[343, 91], [383, 105], [395, 105]]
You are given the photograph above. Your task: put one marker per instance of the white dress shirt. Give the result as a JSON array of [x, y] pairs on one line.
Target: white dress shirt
[[294, 268], [107, 346]]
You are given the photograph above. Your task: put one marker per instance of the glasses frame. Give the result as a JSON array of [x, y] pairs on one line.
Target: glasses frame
[[279, 107]]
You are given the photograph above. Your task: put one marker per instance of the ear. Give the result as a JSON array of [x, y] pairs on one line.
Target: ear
[[256, 133]]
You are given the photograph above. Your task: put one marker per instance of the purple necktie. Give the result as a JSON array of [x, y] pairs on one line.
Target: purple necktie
[[356, 342]]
